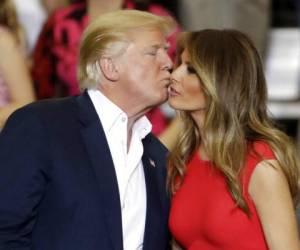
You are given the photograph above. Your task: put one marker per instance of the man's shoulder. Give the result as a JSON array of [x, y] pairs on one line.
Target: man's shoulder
[[51, 117], [50, 106], [47, 111]]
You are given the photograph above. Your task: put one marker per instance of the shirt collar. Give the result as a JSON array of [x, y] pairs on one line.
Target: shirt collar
[[142, 126], [109, 114]]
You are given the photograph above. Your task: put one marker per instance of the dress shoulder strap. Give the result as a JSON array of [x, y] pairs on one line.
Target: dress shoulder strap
[[258, 151]]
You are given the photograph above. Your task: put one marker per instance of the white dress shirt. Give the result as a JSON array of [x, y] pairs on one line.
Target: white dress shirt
[[128, 166]]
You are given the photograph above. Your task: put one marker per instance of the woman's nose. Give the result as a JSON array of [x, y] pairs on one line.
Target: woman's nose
[[175, 75]]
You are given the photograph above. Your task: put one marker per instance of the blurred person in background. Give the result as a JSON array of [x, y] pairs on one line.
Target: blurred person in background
[[56, 52], [234, 177], [16, 87], [32, 14], [52, 5]]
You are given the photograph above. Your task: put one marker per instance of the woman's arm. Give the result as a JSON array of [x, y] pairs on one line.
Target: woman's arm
[[170, 135], [271, 195], [15, 73]]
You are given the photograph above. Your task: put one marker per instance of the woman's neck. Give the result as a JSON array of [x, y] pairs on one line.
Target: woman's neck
[[202, 153], [198, 117]]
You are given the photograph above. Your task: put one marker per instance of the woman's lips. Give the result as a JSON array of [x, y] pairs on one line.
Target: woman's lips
[[172, 91]]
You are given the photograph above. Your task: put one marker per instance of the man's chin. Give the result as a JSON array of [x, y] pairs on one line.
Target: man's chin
[[163, 100], [165, 97]]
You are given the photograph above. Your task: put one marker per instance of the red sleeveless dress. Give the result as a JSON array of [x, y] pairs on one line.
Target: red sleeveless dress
[[203, 214]]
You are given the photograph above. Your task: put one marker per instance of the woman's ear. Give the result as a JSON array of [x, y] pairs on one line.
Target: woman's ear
[[109, 69]]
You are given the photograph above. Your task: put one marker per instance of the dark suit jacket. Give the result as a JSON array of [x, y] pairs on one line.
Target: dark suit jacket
[[58, 186]]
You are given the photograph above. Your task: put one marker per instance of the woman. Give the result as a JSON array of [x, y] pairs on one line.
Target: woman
[[15, 84], [233, 175]]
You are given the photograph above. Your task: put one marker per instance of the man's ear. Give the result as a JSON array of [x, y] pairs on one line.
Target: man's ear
[[109, 69]]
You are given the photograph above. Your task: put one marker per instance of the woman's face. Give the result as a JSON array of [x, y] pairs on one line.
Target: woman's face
[[185, 90]]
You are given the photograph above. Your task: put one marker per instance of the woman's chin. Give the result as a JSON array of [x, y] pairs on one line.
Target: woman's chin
[[173, 105]]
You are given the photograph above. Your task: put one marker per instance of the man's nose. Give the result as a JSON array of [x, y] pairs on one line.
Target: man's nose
[[167, 62]]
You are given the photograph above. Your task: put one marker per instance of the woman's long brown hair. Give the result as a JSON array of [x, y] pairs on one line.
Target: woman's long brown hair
[[232, 78]]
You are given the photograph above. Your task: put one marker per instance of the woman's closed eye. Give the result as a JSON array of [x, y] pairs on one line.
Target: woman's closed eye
[[190, 69]]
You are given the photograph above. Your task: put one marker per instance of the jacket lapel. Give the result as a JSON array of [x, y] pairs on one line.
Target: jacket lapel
[[154, 227], [97, 147]]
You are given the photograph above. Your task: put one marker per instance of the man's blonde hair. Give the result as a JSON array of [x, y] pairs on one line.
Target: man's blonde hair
[[109, 36]]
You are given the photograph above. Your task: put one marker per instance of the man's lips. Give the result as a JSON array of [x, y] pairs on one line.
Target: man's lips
[[166, 82]]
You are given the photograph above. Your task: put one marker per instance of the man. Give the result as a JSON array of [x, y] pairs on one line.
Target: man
[[85, 173]]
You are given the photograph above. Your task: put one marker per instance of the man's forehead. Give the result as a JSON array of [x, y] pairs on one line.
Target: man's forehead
[[150, 45], [147, 39], [151, 36]]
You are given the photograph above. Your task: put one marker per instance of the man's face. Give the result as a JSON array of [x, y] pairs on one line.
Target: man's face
[[144, 69]]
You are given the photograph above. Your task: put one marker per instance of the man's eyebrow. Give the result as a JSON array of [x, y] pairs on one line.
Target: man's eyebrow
[[158, 46]]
